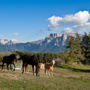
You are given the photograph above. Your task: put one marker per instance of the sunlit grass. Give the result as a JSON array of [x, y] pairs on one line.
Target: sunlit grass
[[63, 79], [84, 67]]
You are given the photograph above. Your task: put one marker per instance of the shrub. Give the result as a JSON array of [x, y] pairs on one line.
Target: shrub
[[59, 61]]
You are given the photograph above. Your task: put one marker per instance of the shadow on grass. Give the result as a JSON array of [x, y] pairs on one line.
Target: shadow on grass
[[74, 69]]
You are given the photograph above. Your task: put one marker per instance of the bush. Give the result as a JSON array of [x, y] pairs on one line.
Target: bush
[[69, 60], [59, 61]]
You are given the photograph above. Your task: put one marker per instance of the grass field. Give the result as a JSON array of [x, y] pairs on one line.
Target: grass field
[[65, 77]]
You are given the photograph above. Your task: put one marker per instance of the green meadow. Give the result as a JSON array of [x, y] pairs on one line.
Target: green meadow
[[66, 77]]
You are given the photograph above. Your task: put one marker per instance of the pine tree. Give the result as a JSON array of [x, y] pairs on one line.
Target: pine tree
[[86, 47], [78, 49], [74, 49], [70, 49]]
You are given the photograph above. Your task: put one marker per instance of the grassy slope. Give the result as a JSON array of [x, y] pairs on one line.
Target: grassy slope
[[63, 79]]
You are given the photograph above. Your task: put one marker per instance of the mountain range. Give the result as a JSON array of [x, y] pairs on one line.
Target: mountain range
[[55, 42]]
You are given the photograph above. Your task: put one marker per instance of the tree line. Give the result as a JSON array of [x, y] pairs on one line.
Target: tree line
[[78, 49]]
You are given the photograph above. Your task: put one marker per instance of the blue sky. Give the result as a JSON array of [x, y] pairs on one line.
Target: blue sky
[[28, 20]]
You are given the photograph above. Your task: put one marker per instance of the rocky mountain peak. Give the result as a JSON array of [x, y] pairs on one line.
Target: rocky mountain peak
[[55, 42]]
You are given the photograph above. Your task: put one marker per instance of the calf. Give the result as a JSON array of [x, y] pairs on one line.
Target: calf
[[49, 67]]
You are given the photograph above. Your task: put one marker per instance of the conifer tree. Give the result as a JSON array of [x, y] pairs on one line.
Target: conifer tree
[[74, 49], [78, 49], [70, 50], [86, 47]]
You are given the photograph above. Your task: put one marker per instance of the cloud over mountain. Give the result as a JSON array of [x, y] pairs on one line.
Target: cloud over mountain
[[15, 41], [71, 23]]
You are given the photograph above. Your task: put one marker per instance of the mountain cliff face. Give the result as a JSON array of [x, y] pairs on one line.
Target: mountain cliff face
[[52, 43]]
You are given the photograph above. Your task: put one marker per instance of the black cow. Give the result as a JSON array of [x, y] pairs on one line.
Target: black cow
[[31, 60], [9, 60]]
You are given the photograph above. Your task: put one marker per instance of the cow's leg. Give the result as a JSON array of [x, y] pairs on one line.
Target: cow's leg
[[52, 72], [10, 67], [45, 71], [23, 68], [36, 70], [2, 65], [14, 66], [49, 72], [7, 66], [33, 69]]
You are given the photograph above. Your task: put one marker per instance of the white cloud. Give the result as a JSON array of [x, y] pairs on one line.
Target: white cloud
[[54, 22], [78, 18], [72, 23], [78, 28], [15, 34], [68, 29], [15, 41]]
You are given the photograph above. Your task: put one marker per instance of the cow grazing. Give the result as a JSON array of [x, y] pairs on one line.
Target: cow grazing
[[9, 60], [49, 67], [29, 60]]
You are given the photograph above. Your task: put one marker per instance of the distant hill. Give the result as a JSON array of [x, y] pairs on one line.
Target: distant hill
[[52, 43]]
